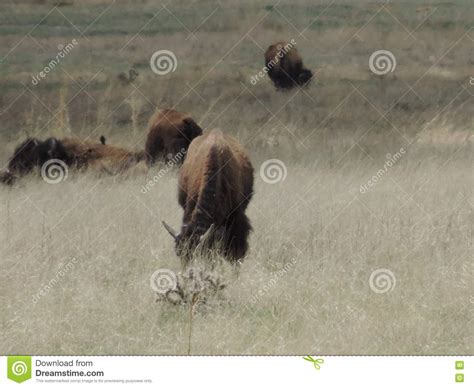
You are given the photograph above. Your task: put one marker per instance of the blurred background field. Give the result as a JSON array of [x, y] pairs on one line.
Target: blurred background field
[[332, 137], [219, 47]]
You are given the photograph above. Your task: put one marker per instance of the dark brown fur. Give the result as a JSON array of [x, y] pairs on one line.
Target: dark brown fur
[[215, 187], [288, 71], [33, 153], [169, 132]]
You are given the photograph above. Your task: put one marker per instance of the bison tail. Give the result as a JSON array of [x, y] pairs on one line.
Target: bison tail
[[206, 204]]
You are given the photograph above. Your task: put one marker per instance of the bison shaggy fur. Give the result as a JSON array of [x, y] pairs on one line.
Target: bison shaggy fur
[[169, 133], [285, 66], [215, 187]]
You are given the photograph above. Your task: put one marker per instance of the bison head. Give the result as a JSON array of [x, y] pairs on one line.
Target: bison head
[[52, 148], [184, 136], [192, 239], [169, 136], [34, 153]]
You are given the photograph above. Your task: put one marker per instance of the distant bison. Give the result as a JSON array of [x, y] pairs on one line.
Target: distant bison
[[34, 153], [285, 66], [169, 132], [215, 187]]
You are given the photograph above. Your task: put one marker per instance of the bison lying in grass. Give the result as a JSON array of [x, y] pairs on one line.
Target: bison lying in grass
[[102, 157], [215, 187], [33, 153]]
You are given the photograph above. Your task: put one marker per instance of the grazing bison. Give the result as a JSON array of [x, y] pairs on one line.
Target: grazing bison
[[285, 66], [33, 153], [169, 133], [215, 187]]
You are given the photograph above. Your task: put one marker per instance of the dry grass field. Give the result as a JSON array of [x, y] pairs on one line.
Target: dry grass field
[[362, 240]]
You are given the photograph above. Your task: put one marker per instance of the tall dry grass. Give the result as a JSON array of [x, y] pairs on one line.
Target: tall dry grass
[[416, 221], [92, 243]]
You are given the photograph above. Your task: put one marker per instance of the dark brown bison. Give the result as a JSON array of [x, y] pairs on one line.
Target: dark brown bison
[[215, 187], [285, 66], [169, 133], [34, 153]]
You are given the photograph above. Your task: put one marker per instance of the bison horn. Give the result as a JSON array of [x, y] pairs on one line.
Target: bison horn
[[206, 235], [170, 230]]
